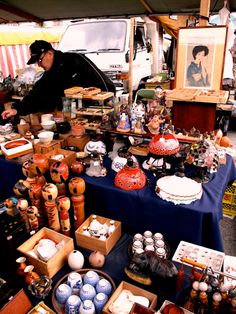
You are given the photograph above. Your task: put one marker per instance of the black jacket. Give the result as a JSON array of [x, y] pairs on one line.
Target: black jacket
[[68, 70]]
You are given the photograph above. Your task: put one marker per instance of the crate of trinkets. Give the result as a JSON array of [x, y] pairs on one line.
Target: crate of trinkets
[[98, 233]]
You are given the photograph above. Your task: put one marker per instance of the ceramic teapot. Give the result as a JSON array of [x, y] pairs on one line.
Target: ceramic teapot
[[130, 177]]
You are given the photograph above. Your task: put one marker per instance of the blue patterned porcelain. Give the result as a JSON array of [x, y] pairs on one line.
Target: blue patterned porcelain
[[104, 286], [87, 307], [91, 277], [73, 304], [74, 280], [63, 292], [87, 292], [99, 301]]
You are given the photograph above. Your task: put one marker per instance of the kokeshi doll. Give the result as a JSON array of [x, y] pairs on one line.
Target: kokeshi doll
[[32, 214], [59, 172], [77, 188], [21, 188], [10, 206], [22, 205], [63, 206], [49, 193], [35, 195]]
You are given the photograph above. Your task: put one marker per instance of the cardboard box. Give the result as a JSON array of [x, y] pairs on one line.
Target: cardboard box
[[15, 148], [46, 148], [166, 302], [69, 156], [95, 244], [135, 290], [51, 267]]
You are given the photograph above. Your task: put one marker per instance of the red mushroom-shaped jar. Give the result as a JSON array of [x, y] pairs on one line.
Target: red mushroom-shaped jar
[[130, 177], [164, 144]]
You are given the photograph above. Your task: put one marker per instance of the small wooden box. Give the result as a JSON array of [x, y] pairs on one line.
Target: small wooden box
[[18, 149], [93, 243], [140, 309], [78, 141], [51, 267], [135, 290], [69, 156], [19, 304], [46, 148], [41, 307], [166, 302]]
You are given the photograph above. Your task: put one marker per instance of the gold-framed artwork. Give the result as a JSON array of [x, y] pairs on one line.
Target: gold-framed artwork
[[200, 57]]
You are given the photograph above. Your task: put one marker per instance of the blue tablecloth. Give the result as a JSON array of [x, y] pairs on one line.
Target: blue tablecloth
[[142, 210]]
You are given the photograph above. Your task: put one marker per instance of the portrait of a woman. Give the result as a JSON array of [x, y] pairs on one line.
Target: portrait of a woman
[[197, 75]]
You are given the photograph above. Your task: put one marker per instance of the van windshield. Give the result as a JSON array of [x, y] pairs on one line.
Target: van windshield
[[95, 36]]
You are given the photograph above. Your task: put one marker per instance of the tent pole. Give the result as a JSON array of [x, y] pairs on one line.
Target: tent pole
[[204, 12], [131, 57]]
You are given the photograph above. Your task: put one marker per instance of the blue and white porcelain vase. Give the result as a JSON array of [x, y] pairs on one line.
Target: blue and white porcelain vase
[[87, 292], [74, 280], [104, 286], [87, 307], [73, 304], [99, 301], [63, 292], [91, 277]]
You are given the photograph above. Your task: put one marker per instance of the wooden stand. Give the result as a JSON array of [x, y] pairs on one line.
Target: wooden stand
[[187, 114]]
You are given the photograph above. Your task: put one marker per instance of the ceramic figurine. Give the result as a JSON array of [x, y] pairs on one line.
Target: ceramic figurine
[[77, 188], [138, 113], [33, 215], [50, 193], [63, 206], [95, 146], [154, 124], [96, 168], [22, 205], [124, 123], [130, 177], [59, 172], [9, 203]]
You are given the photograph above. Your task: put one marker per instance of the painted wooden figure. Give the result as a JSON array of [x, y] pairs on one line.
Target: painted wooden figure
[[63, 206], [33, 214], [77, 188], [50, 193], [59, 172], [22, 205]]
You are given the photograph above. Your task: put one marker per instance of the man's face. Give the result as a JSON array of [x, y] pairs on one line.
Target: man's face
[[46, 60]]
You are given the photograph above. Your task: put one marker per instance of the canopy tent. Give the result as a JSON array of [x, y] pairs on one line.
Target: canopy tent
[[43, 10]]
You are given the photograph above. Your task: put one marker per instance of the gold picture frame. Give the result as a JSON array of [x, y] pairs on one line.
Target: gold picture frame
[[200, 57]]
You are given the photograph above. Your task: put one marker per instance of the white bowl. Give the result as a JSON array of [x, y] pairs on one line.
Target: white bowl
[[48, 125], [45, 137]]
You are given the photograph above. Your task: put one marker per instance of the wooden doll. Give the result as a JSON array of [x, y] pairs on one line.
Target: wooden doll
[[77, 188], [22, 205], [63, 206], [33, 214], [50, 192], [59, 172]]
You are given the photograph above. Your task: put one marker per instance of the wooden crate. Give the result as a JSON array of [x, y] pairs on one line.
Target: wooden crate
[[46, 148], [140, 309], [51, 267], [78, 141], [95, 244], [135, 290], [69, 156]]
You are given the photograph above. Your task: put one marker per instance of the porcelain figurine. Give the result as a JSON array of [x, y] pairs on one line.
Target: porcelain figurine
[[63, 206], [95, 146], [77, 189], [50, 193], [154, 124], [59, 172], [33, 217], [138, 113], [96, 168], [130, 177], [124, 123]]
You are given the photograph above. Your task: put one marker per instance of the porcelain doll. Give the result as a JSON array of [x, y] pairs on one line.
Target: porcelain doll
[[124, 123], [154, 124]]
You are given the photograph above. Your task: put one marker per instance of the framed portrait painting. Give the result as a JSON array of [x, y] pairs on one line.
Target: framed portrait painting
[[200, 57]]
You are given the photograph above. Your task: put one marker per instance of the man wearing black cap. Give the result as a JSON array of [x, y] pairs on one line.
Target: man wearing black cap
[[62, 70]]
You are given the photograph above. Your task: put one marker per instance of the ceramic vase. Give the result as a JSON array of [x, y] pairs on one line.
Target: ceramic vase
[[99, 301], [63, 292], [87, 292], [76, 260], [87, 307], [91, 277], [104, 286], [72, 304], [74, 280]]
